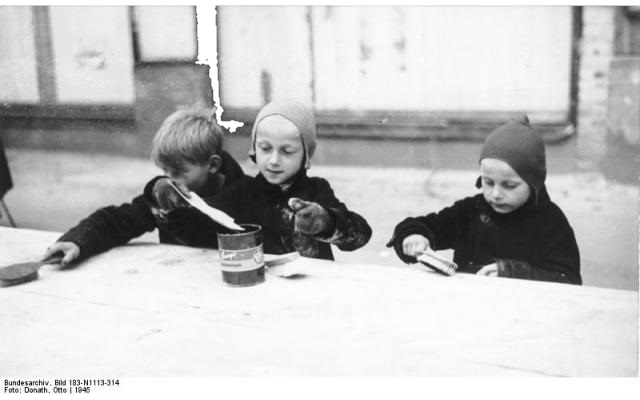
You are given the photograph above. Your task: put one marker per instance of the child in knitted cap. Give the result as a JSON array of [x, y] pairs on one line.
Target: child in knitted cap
[[296, 212], [512, 229]]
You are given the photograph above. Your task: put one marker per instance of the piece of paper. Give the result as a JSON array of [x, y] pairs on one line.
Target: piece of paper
[[285, 265]]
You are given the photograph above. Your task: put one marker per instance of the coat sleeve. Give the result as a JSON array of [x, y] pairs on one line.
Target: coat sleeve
[[351, 230], [510, 268], [441, 228], [111, 226], [558, 259], [189, 227]]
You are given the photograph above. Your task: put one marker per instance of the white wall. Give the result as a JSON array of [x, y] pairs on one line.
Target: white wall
[[428, 59], [92, 50], [256, 39]]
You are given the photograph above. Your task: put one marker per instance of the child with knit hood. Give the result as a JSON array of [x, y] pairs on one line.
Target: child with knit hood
[[188, 148], [512, 229], [296, 212]]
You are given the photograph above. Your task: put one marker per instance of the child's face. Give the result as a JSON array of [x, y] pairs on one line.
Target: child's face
[[193, 176], [502, 187], [279, 149]]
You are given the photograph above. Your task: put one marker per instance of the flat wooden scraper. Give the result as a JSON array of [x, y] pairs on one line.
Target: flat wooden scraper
[[16, 274]]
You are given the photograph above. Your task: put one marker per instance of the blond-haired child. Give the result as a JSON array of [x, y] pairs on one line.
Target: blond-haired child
[[188, 148]]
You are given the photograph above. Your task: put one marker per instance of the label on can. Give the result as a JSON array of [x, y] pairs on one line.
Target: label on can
[[242, 260]]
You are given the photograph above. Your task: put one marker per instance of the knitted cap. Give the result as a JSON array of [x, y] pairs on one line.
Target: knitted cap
[[302, 118], [520, 146]]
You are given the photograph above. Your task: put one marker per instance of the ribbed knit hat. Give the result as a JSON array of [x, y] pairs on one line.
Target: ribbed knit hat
[[520, 146], [300, 115]]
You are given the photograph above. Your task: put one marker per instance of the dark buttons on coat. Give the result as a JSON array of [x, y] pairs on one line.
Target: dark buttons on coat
[[485, 218]]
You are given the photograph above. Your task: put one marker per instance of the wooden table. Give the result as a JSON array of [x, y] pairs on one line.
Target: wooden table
[[163, 311]]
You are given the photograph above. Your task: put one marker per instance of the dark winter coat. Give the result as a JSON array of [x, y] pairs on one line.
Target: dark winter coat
[[256, 201], [116, 225], [533, 242]]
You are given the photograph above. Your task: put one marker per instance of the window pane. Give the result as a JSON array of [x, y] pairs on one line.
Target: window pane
[[166, 33], [93, 54], [18, 72]]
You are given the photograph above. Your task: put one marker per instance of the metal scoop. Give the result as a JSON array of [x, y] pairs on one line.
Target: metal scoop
[[430, 259], [15, 274]]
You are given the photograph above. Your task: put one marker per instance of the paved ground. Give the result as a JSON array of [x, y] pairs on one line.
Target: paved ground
[[54, 190]]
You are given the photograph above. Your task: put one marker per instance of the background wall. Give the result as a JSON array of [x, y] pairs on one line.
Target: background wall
[[96, 78], [73, 76], [422, 62]]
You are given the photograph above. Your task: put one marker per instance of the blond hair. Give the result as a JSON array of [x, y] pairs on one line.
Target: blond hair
[[189, 134]]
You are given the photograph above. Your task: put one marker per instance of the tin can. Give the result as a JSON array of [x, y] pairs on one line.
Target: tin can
[[242, 256]]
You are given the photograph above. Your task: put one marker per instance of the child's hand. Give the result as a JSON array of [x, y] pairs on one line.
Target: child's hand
[[71, 252], [413, 245], [165, 194], [488, 270], [311, 218]]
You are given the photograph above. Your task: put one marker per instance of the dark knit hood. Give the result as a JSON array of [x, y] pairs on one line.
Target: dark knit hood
[[521, 147]]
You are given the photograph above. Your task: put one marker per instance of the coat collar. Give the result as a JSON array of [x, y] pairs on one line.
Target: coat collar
[[298, 181]]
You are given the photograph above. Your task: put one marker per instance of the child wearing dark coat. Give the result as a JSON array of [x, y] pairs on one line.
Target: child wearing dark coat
[[296, 212], [188, 148], [512, 229]]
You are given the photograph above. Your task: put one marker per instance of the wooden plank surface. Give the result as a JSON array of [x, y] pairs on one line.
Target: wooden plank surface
[[162, 310]]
